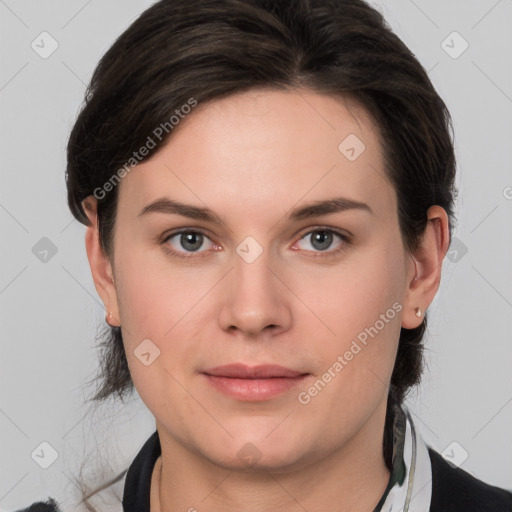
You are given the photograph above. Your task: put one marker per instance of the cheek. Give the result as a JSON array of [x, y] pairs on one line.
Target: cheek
[[166, 305], [341, 304], [351, 297], [361, 306], [156, 294]]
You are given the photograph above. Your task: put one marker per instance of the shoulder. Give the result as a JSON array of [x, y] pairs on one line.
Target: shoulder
[[454, 489], [47, 506]]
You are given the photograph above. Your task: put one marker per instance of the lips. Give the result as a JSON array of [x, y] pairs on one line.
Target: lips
[[253, 383], [241, 371]]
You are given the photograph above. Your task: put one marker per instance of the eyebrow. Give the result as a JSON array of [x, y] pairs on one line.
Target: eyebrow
[[314, 209]]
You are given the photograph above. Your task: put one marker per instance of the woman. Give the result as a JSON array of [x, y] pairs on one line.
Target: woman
[[303, 153]]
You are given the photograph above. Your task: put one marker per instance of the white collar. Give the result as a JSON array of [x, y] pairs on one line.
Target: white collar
[[416, 491]]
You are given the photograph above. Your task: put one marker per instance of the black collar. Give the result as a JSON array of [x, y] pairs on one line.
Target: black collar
[[137, 485]]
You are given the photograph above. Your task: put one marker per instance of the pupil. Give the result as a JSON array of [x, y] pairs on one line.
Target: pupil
[[322, 236], [187, 238]]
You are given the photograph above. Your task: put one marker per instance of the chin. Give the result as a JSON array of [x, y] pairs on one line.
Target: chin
[[253, 453]]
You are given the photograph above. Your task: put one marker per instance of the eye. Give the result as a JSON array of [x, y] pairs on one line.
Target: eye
[[322, 239], [183, 244], [178, 244]]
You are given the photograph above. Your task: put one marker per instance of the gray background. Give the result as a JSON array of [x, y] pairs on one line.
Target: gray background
[[50, 310]]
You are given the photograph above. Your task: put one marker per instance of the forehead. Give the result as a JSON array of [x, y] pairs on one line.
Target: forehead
[[265, 150]]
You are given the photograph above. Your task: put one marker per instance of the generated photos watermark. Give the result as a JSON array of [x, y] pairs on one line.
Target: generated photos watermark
[[337, 366], [137, 156]]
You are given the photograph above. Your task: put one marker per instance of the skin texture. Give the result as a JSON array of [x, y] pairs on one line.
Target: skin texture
[[252, 158]]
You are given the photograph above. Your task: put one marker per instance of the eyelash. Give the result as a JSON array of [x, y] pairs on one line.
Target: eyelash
[[322, 254]]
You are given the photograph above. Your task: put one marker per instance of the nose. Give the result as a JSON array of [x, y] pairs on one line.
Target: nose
[[255, 300]]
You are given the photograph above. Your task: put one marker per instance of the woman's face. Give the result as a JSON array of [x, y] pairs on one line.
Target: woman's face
[[263, 278]]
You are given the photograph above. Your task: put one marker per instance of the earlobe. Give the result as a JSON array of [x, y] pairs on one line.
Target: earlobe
[[424, 279], [99, 262]]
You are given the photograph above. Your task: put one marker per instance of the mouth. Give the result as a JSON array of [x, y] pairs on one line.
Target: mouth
[[256, 383]]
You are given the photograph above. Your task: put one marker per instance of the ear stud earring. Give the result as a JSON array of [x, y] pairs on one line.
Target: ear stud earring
[[109, 317], [418, 312]]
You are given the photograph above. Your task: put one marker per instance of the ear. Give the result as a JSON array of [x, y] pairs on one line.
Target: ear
[[425, 268], [101, 267]]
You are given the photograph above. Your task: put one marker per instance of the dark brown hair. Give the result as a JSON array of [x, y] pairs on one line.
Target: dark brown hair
[[206, 50]]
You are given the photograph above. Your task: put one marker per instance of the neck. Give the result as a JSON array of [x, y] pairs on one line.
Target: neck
[[351, 478]]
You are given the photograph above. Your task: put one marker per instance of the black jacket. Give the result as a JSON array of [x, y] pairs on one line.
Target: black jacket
[[453, 490]]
